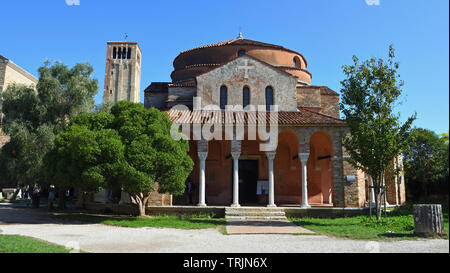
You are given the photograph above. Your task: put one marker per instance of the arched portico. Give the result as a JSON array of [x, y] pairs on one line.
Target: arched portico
[[320, 169]]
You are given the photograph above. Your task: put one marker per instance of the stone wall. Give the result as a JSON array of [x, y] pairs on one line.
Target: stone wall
[[259, 76], [355, 191], [157, 100], [309, 98], [330, 105]]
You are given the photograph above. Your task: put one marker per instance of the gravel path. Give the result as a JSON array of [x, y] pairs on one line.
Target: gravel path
[[105, 239]]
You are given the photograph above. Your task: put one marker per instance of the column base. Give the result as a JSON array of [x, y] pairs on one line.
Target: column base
[[305, 206], [235, 206], [271, 206], [201, 205]]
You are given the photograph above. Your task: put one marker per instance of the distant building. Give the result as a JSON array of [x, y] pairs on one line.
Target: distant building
[[11, 73], [122, 72]]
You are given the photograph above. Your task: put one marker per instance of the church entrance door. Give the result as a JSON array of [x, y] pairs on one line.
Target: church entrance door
[[248, 180]]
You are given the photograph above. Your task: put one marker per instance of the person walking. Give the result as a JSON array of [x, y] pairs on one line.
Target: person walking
[[190, 187], [51, 197]]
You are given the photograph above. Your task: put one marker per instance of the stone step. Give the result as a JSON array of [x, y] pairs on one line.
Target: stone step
[[255, 213], [253, 218], [252, 209]]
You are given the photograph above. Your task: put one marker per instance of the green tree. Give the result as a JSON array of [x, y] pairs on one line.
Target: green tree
[[151, 154], [426, 162], [33, 117], [130, 148], [377, 137], [86, 156]]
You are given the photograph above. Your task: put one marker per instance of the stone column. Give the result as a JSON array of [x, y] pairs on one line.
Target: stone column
[[304, 160], [236, 156], [201, 191], [271, 157]]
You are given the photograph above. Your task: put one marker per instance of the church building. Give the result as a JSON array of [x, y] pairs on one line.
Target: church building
[[303, 164]]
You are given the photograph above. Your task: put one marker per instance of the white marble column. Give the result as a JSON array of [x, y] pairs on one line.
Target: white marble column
[[201, 191], [304, 160], [236, 156], [271, 157]]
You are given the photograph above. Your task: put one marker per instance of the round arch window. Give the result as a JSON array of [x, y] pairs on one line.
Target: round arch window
[[241, 52]]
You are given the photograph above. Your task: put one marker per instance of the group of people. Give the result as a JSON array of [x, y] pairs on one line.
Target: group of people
[[34, 194]]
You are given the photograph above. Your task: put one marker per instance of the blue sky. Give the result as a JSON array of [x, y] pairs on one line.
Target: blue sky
[[327, 33]]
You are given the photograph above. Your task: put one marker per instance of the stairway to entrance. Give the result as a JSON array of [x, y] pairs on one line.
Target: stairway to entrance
[[255, 213]]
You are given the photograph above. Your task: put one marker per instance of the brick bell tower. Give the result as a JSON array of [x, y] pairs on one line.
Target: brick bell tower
[[123, 72]]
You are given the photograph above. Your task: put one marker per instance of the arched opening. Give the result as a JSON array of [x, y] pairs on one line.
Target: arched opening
[[245, 97], [253, 171], [223, 97], [269, 97], [241, 53], [219, 165], [129, 53], [296, 62], [288, 187], [320, 169]]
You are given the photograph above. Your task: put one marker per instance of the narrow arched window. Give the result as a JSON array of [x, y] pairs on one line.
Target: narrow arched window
[[114, 53], [223, 97], [241, 53], [269, 97], [119, 53], [245, 97], [124, 53], [297, 62], [129, 54]]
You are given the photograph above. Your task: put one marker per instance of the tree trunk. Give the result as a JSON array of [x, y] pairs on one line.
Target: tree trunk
[[378, 198], [141, 203], [62, 199], [81, 198], [428, 220]]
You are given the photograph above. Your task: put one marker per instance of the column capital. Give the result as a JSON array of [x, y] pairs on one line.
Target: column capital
[[303, 157], [235, 155], [203, 155], [271, 155]]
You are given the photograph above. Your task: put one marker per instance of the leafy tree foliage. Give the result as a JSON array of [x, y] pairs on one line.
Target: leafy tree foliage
[[130, 148], [377, 137], [151, 153], [86, 156], [33, 117], [426, 164]]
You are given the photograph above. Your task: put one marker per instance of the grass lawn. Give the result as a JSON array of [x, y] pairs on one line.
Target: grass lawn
[[189, 222], [22, 244], [399, 224]]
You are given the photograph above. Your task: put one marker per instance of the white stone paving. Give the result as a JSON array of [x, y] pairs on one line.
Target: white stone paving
[[105, 239]]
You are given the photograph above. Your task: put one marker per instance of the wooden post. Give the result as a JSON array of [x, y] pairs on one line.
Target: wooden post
[[428, 220]]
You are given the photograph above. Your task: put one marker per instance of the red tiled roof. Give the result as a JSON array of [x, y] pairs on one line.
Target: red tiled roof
[[242, 41], [301, 117]]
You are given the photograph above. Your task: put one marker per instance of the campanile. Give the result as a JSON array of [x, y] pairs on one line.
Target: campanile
[[123, 72]]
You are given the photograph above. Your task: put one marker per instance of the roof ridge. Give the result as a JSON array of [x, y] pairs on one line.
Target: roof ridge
[[322, 114], [251, 57], [213, 44]]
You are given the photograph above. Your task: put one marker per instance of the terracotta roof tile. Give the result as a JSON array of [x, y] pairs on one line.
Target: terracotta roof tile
[[301, 117]]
